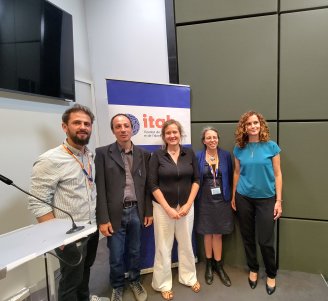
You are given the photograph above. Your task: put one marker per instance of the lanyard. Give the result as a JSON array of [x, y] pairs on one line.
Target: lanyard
[[214, 172], [88, 173]]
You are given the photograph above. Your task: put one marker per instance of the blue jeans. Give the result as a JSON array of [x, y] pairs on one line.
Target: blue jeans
[[125, 243]]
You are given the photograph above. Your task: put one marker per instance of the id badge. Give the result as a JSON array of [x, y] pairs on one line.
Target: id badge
[[215, 190]]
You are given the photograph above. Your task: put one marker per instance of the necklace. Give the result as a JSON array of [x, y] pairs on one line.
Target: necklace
[[252, 148], [212, 160], [211, 157], [173, 152]]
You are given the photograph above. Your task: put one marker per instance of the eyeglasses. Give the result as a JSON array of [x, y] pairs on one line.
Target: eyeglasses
[[211, 138]]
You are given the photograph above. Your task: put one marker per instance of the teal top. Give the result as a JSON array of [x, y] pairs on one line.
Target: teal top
[[256, 179]]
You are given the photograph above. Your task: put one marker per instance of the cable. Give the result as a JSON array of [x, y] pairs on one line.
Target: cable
[[64, 261]]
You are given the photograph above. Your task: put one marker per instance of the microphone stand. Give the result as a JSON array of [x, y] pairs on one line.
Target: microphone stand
[[74, 228]]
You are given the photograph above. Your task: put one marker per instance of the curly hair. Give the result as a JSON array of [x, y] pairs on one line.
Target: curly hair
[[77, 108], [241, 136]]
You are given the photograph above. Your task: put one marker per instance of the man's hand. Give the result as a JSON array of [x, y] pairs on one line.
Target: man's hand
[[106, 229], [148, 221]]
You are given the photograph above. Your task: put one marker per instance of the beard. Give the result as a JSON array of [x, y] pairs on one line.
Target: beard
[[79, 141]]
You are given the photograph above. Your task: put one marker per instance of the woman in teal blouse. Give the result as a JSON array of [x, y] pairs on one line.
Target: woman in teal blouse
[[256, 196]]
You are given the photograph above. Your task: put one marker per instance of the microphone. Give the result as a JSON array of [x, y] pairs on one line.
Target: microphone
[[74, 228]]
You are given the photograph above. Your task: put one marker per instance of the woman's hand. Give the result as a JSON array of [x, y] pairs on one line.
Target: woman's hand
[[172, 213], [233, 204], [277, 211], [184, 210]]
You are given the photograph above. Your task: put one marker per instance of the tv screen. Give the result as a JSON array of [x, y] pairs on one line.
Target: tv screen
[[36, 49]]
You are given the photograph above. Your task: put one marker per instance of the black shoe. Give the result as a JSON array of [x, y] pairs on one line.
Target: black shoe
[[218, 267], [270, 290], [252, 283], [209, 271]]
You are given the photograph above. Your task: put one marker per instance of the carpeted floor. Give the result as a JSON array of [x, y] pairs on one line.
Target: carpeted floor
[[291, 286]]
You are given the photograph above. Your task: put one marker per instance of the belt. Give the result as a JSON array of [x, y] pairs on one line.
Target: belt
[[129, 204]]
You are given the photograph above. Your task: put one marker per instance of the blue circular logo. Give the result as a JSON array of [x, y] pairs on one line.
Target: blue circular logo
[[135, 124]]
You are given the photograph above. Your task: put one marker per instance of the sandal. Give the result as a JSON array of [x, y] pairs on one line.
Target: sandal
[[167, 295], [196, 287]]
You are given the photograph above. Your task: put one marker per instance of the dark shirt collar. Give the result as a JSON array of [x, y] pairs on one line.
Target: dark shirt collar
[[122, 150], [182, 151]]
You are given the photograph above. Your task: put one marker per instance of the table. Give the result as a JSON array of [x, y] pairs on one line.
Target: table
[[24, 244]]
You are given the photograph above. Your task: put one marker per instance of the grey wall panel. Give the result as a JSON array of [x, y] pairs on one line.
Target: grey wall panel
[[232, 248], [226, 131], [304, 168], [231, 67], [303, 245], [300, 4], [195, 10], [227, 134], [304, 65]]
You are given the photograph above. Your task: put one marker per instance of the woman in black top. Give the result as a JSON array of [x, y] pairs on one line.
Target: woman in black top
[[174, 182]]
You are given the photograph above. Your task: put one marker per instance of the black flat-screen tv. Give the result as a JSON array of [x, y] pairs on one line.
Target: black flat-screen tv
[[36, 49]]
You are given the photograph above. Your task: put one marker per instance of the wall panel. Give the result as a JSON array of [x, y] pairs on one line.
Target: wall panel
[[303, 245], [195, 10], [301, 4], [231, 67], [304, 167], [269, 61], [304, 65]]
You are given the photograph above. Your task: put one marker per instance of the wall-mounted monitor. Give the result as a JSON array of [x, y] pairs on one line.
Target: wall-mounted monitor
[[36, 49]]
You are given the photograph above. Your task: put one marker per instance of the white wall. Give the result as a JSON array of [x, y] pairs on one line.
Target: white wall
[[122, 39], [127, 40], [29, 126]]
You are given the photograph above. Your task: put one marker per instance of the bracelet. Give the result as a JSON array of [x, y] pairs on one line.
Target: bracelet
[[279, 200]]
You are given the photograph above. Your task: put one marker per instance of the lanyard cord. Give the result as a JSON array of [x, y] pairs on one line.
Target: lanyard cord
[[88, 173]]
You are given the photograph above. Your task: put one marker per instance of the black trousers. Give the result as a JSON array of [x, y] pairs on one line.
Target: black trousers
[[74, 282], [257, 214]]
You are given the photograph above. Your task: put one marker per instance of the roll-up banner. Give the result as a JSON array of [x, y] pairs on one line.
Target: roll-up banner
[[149, 105]]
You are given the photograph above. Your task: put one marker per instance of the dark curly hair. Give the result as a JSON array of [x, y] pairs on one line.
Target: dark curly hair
[[241, 136], [77, 108]]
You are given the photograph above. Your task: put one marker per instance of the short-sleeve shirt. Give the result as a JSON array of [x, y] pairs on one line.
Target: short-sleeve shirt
[[256, 179]]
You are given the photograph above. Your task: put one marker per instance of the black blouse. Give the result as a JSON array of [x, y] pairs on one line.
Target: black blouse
[[174, 180]]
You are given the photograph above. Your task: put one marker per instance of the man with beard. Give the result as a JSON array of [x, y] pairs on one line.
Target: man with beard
[[64, 177]]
